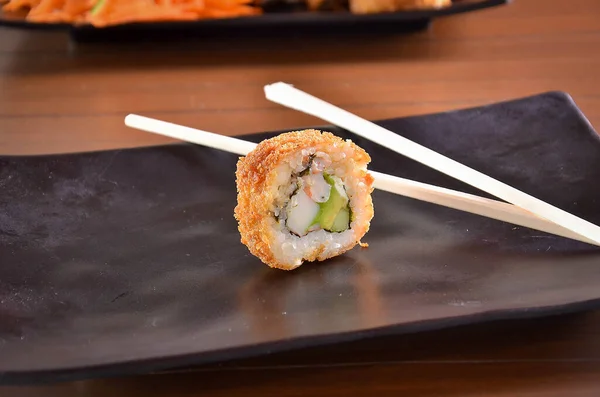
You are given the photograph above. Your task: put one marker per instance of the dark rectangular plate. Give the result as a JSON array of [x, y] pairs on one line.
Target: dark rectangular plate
[[295, 21], [129, 261]]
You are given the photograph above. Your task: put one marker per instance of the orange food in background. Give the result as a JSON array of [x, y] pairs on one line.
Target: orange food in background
[[379, 6], [112, 12]]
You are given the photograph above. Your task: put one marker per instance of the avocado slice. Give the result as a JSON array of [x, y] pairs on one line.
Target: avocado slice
[[329, 210], [342, 221]]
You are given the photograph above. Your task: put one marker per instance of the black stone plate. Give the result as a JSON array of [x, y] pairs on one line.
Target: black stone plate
[[273, 21], [129, 261]]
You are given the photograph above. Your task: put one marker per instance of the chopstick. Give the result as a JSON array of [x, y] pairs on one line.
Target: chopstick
[[420, 191], [294, 98]]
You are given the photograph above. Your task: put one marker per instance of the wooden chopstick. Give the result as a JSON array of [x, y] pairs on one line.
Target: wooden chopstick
[[294, 98], [433, 194]]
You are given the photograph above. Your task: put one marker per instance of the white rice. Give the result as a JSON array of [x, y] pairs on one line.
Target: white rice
[[290, 248]]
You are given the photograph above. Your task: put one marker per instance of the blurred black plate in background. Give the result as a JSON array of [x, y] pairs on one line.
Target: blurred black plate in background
[[299, 21]]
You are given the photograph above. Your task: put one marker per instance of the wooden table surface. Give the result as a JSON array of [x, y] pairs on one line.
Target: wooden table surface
[[56, 96]]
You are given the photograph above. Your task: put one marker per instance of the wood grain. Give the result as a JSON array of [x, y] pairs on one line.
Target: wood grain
[[57, 96]]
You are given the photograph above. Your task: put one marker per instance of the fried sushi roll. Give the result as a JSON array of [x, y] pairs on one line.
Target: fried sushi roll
[[303, 196]]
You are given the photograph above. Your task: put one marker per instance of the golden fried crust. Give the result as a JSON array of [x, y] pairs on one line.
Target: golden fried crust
[[257, 171]]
